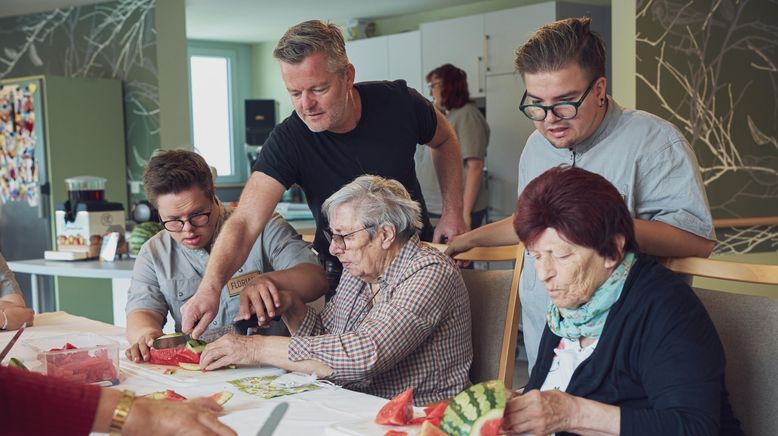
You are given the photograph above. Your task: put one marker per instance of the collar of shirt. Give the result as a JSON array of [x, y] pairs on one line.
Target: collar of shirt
[[612, 113], [394, 272]]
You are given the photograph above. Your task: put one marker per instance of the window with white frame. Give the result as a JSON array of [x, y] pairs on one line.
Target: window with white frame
[[217, 126]]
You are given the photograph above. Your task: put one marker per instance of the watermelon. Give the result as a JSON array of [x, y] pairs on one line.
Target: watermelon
[[477, 410], [16, 363], [173, 356], [398, 411], [430, 429], [190, 366], [166, 395], [142, 233], [196, 345], [221, 398]]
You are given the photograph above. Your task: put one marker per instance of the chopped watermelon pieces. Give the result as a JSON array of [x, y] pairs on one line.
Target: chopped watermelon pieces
[[430, 429], [222, 397], [398, 411], [88, 366], [432, 413]]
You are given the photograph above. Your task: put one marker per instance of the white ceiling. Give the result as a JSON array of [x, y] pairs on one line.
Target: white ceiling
[[257, 20]]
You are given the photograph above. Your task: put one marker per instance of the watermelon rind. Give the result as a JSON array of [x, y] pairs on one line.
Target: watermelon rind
[[190, 366], [221, 398], [196, 345], [16, 363], [470, 405]]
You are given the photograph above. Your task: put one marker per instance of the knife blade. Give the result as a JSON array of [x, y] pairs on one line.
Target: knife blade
[[240, 327], [273, 420], [13, 341]]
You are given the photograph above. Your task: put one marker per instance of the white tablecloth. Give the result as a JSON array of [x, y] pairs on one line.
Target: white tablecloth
[[328, 410]]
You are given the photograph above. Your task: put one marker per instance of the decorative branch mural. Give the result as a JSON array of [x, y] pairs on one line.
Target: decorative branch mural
[[709, 66], [114, 40]]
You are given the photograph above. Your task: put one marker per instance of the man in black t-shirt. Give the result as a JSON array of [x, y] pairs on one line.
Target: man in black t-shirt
[[338, 131]]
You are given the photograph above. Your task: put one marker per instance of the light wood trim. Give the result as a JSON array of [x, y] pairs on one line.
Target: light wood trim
[[511, 329], [510, 333], [484, 254], [745, 222], [719, 269]]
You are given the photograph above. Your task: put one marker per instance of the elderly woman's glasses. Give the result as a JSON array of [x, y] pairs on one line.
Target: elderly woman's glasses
[[565, 110], [340, 240], [195, 220]]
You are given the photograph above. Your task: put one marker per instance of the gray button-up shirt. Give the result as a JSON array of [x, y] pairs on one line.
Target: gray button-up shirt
[[167, 274], [8, 284]]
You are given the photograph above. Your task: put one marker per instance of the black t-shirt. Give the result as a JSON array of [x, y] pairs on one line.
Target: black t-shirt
[[394, 120]]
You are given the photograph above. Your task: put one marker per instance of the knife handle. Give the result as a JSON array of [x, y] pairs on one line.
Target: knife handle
[[243, 325]]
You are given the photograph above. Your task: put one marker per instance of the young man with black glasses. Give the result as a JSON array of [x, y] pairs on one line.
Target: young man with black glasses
[[578, 124], [170, 265]]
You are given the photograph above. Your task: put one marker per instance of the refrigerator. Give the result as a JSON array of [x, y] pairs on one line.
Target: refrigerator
[[52, 128]]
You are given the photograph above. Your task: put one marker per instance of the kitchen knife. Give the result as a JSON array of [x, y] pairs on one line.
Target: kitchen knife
[[270, 425], [240, 327], [13, 341]]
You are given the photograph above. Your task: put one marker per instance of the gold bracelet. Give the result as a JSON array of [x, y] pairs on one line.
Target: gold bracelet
[[121, 412]]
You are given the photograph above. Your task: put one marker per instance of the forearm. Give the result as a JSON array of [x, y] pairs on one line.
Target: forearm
[[143, 322], [306, 280], [448, 163], [595, 418], [475, 168], [493, 234], [274, 350], [662, 239], [295, 316], [109, 398], [11, 300]]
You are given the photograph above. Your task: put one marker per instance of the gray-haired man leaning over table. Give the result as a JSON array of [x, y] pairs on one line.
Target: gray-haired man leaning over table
[[339, 130], [170, 264]]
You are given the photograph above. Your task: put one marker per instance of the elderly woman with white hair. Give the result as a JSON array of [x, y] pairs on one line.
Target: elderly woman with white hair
[[400, 317]]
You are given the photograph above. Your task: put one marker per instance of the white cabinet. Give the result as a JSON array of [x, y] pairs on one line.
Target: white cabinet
[[508, 29], [389, 57], [405, 59], [458, 41]]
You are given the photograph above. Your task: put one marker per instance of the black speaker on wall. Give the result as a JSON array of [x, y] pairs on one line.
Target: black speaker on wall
[[260, 120]]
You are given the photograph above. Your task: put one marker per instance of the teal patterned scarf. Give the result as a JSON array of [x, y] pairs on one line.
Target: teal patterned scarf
[[589, 319]]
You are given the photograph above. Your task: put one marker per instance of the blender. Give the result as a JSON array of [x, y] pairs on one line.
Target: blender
[[83, 220]]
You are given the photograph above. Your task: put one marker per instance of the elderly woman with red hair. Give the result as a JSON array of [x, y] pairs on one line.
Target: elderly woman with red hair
[[628, 348]]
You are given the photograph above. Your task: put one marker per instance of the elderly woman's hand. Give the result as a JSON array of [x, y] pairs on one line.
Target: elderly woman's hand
[[231, 350], [540, 413], [16, 316]]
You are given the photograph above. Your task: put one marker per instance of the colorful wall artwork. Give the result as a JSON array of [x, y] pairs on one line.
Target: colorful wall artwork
[[18, 169]]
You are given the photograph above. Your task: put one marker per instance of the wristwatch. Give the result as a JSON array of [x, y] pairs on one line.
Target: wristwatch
[[121, 412]]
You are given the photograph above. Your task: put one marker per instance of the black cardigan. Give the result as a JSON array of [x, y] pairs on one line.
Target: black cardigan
[[659, 359]]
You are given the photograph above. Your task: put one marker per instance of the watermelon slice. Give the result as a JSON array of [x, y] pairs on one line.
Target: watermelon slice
[[222, 397], [398, 411], [190, 366], [477, 410], [166, 395], [430, 429], [396, 433]]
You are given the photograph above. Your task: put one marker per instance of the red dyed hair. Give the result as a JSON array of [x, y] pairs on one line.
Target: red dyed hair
[[583, 207], [454, 92]]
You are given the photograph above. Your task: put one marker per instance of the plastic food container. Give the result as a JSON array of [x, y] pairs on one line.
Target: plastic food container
[[83, 357]]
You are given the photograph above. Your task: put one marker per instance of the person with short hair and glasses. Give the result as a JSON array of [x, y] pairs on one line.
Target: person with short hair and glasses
[[577, 123], [400, 317], [170, 264]]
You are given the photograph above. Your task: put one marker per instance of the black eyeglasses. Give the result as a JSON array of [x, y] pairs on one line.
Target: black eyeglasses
[[195, 220], [340, 240], [565, 110]]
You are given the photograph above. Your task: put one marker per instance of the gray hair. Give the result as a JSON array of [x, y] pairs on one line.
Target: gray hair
[[310, 37], [378, 201]]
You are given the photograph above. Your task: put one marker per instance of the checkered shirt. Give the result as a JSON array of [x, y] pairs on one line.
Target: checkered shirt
[[416, 334]]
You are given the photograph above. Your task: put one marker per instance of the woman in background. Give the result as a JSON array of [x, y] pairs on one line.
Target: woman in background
[[448, 89]]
